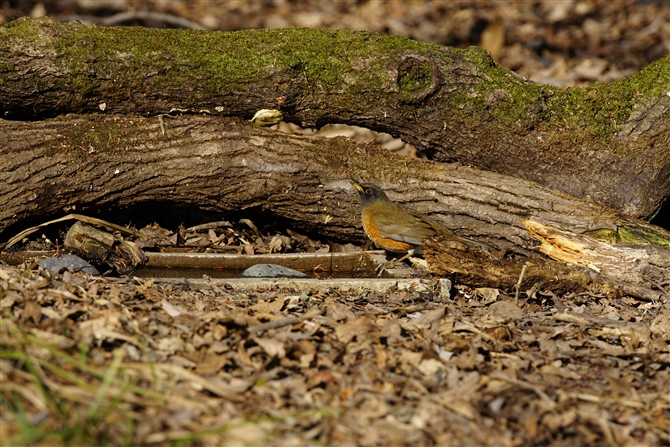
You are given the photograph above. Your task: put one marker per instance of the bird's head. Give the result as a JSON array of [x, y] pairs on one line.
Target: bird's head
[[369, 193]]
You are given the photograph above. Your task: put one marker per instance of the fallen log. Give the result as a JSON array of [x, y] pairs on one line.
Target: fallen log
[[90, 163], [457, 105]]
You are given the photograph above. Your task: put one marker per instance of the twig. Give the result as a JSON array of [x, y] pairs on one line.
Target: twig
[[80, 217], [274, 324], [522, 384], [518, 284], [660, 287], [210, 226], [160, 121]]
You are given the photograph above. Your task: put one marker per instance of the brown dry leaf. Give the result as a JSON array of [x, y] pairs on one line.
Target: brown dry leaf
[[320, 377], [55, 340], [171, 345], [109, 320], [506, 310], [661, 324], [489, 294], [391, 331], [31, 311], [427, 320], [271, 346], [244, 357], [270, 306], [212, 364], [410, 357], [430, 367], [256, 433], [173, 310], [558, 370], [339, 311], [275, 244], [554, 421], [360, 328], [144, 287], [381, 356], [607, 348]]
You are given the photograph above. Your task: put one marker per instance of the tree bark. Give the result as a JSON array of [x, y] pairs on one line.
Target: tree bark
[[634, 264], [464, 265], [583, 264], [95, 162], [606, 142]]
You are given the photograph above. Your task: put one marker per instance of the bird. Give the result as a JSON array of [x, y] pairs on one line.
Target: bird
[[397, 228]]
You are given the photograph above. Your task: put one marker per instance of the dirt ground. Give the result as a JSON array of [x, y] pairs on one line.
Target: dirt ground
[[126, 361]]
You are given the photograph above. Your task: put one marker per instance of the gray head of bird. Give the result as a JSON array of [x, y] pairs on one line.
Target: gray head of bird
[[369, 193]]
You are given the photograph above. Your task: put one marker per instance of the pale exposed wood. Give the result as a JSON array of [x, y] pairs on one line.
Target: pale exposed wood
[[634, 264], [468, 265]]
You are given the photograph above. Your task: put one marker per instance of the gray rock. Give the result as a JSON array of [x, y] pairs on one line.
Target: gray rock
[[71, 263], [271, 271]]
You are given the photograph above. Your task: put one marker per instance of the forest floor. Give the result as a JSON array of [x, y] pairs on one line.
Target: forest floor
[[104, 360]]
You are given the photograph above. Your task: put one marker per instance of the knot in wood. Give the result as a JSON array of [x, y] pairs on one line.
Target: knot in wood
[[417, 77]]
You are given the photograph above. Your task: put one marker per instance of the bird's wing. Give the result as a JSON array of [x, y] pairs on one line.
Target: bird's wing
[[412, 227], [399, 225]]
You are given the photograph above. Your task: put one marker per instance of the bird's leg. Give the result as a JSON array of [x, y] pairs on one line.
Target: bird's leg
[[393, 262], [390, 264]]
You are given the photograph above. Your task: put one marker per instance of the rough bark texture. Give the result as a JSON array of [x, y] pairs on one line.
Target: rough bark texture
[[88, 163], [101, 247], [464, 265], [637, 270], [635, 264], [607, 142]]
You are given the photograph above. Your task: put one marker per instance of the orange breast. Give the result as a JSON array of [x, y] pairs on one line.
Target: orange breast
[[375, 236]]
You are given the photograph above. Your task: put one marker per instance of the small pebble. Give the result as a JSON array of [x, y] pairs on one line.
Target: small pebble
[[70, 263], [271, 271]]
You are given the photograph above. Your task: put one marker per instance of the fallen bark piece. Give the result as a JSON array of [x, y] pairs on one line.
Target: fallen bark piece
[[100, 247], [638, 277]]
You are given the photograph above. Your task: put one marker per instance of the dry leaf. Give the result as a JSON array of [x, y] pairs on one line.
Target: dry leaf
[[173, 310]]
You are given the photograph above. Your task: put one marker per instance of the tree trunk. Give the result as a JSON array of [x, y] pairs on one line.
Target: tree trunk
[[606, 142], [97, 162]]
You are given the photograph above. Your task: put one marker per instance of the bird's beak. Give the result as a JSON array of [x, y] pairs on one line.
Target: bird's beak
[[356, 185]]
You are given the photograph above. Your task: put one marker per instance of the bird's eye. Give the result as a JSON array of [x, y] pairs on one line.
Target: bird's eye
[[368, 191]]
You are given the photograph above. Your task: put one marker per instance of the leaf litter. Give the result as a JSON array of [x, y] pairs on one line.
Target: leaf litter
[[129, 361]]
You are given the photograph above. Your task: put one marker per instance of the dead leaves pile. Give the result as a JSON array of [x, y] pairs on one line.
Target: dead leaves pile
[[224, 237], [149, 363]]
